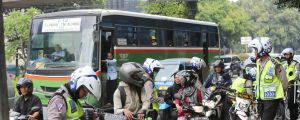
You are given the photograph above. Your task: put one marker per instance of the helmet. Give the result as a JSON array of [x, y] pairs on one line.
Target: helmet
[[85, 77], [219, 63], [187, 77], [132, 73], [197, 63], [262, 44], [27, 82], [249, 71], [288, 51], [150, 65]]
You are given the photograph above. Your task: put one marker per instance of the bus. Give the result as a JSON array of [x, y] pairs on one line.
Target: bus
[[84, 37]]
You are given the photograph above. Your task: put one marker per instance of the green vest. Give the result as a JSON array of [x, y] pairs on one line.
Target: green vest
[[155, 105], [290, 70], [239, 85], [74, 109], [269, 86]]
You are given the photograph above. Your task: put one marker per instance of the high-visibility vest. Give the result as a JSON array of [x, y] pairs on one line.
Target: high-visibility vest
[[290, 70], [269, 86]]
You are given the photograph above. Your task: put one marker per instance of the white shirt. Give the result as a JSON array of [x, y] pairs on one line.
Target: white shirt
[[111, 69]]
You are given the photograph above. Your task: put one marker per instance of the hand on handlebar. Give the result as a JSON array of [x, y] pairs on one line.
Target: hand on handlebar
[[128, 114], [179, 108], [141, 116]]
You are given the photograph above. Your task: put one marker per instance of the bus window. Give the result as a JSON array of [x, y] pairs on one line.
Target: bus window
[[126, 36], [204, 37], [170, 38], [162, 37], [181, 39], [213, 42], [147, 37], [195, 39]]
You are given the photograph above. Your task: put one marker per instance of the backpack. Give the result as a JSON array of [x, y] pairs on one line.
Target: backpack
[[123, 95]]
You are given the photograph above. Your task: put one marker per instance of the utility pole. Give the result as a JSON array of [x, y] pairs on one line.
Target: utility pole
[[4, 110]]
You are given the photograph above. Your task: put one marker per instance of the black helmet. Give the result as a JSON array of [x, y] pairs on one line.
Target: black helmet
[[27, 82], [132, 73], [187, 77], [219, 63], [249, 72]]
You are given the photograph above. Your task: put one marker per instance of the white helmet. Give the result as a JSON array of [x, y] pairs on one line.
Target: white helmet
[[197, 63], [150, 64], [288, 51], [262, 44], [85, 76]]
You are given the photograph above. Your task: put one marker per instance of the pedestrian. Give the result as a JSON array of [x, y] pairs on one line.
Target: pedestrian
[[112, 75]]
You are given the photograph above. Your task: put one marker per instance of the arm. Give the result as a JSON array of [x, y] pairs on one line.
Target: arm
[[56, 109], [39, 108], [281, 74], [118, 108], [146, 95], [207, 82]]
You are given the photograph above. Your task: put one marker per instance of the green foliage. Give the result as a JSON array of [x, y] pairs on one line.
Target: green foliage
[[233, 21], [168, 8], [16, 31], [281, 25], [288, 3]]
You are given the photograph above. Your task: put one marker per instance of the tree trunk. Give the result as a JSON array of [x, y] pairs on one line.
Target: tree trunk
[[3, 82]]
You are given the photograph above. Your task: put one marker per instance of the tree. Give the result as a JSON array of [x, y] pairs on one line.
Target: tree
[[16, 31], [233, 21], [281, 25], [166, 8], [288, 3]]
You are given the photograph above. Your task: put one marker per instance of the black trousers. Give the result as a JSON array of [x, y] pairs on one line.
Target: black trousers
[[270, 109], [293, 107], [111, 86]]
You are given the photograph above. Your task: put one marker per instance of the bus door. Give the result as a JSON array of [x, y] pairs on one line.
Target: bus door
[[106, 46]]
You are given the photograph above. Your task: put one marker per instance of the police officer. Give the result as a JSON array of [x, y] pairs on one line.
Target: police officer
[[152, 66], [270, 77], [197, 64], [65, 104], [291, 66]]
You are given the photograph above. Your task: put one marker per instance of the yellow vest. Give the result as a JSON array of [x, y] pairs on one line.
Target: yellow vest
[[155, 105], [74, 109], [290, 70], [239, 85], [269, 86]]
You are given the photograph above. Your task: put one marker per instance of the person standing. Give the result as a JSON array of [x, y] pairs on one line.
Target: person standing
[[292, 72], [111, 83], [270, 77]]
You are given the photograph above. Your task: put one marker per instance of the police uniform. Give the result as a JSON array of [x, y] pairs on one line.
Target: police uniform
[[61, 106], [271, 83], [292, 74]]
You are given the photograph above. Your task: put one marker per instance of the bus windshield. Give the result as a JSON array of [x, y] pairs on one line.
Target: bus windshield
[[166, 73], [61, 42]]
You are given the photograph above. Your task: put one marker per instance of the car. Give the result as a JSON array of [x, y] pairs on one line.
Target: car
[[165, 77], [232, 64]]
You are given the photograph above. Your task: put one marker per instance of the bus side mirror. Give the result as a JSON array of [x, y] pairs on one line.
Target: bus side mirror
[[96, 36]]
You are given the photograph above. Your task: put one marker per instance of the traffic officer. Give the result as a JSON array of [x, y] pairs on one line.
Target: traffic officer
[[65, 104], [291, 67], [270, 77]]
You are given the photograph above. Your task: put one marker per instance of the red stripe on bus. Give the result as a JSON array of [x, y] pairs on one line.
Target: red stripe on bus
[[158, 50], [47, 78]]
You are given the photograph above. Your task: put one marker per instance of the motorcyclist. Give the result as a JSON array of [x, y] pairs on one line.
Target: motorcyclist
[[134, 101], [65, 104], [190, 93], [292, 72], [218, 76], [169, 98], [197, 65], [27, 103], [152, 66], [270, 77]]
